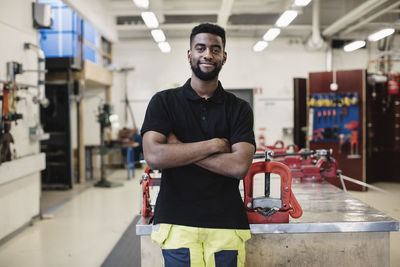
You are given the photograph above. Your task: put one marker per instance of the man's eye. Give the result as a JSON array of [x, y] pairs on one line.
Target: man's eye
[[200, 48], [216, 50]]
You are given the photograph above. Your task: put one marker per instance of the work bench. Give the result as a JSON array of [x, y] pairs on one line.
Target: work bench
[[335, 229], [127, 148]]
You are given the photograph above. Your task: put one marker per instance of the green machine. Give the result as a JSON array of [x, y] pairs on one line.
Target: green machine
[[103, 117]]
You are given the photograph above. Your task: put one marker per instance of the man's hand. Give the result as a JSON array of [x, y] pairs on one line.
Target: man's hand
[[222, 145], [234, 164], [223, 161], [172, 139]]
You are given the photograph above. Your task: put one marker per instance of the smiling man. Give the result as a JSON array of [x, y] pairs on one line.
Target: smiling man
[[202, 139]]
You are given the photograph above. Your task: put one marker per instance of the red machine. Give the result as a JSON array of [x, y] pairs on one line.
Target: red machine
[[270, 210], [309, 166], [278, 148], [147, 180]]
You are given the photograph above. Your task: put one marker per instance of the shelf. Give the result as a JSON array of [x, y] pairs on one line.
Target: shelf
[[91, 74], [15, 169]]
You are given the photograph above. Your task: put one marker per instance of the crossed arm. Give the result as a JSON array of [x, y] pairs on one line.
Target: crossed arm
[[215, 155]]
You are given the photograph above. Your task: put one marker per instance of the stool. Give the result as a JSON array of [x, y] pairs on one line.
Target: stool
[[89, 162], [130, 161], [130, 157]]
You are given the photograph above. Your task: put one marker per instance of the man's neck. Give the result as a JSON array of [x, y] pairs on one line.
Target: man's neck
[[204, 89]]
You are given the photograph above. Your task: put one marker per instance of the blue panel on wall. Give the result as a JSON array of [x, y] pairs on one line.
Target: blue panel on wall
[[62, 39], [89, 33], [59, 44], [53, 3], [89, 53], [64, 19]]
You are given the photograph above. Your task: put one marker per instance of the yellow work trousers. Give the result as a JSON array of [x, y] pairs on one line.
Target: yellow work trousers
[[200, 247]]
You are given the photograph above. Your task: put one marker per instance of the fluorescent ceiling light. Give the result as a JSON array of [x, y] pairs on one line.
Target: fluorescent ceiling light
[[301, 2], [150, 19], [142, 3], [287, 17], [271, 34], [380, 34], [158, 35], [260, 46], [354, 46], [164, 47]]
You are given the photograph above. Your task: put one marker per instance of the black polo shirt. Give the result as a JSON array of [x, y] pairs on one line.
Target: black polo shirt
[[191, 195]]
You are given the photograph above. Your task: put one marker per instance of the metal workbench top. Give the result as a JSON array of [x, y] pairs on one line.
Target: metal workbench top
[[326, 209]]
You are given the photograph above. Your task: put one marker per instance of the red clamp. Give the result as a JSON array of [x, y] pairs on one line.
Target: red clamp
[[256, 213], [146, 182]]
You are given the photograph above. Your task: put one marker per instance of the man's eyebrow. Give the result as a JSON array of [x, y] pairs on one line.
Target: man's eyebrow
[[212, 46]]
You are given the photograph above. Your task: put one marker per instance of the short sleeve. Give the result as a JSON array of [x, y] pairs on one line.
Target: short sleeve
[[242, 126], [156, 118]]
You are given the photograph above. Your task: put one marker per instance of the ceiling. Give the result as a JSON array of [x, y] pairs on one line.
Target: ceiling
[[339, 19]]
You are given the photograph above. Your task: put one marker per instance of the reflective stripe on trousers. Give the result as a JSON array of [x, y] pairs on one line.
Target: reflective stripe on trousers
[[200, 247]]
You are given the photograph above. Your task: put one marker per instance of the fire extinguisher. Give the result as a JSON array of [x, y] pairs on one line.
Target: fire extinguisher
[[393, 87]]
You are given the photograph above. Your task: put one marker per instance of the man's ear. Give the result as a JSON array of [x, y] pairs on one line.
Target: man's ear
[[224, 60], [189, 53]]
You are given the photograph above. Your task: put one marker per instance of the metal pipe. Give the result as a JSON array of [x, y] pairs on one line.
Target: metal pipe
[[315, 41], [316, 36], [329, 61], [364, 184], [339, 173], [41, 96], [352, 16], [370, 18], [21, 85]]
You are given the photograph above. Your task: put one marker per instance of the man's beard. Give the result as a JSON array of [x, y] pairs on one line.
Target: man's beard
[[205, 76]]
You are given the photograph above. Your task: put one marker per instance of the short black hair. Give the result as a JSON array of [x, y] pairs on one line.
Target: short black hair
[[208, 28]]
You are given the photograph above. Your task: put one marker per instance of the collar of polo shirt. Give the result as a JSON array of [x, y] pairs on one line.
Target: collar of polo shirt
[[191, 94]]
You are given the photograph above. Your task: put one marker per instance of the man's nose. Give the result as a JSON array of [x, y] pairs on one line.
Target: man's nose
[[208, 53]]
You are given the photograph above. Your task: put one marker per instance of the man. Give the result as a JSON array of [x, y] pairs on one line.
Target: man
[[202, 138]]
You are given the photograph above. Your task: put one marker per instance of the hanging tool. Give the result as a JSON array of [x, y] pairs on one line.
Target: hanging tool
[[354, 143], [5, 140], [334, 114], [351, 125], [341, 143]]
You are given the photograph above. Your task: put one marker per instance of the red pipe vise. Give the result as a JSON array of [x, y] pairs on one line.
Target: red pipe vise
[[309, 166], [270, 210], [147, 180], [278, 148]]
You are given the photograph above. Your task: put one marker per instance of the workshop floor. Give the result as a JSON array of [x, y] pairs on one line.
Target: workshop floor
[[83, 229], [390, 204]]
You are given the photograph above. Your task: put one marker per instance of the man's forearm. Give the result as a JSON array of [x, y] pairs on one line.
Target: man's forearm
[[161, 153], [235, 164], [175, 155]]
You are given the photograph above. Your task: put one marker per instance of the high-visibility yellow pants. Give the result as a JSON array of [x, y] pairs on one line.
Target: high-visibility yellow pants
[[200, 247]]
